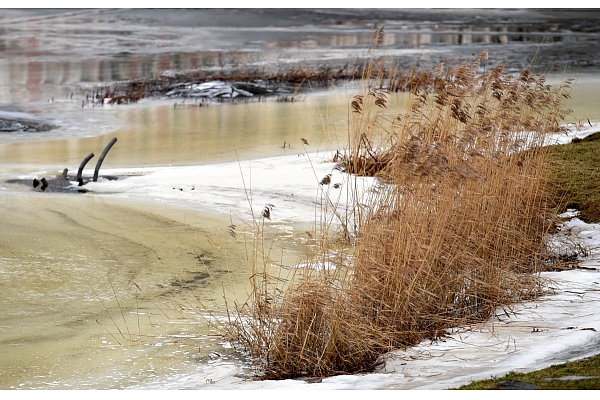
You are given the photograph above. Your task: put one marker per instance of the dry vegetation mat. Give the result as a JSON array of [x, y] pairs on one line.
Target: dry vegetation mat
[[455, 226], [231, 84]]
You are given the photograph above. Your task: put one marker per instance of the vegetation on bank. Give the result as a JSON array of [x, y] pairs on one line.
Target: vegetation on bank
[[454, 227], [245, 84], [575, 175], [576, 375]]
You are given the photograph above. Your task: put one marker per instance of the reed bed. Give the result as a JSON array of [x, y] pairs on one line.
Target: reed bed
[[454, 228]]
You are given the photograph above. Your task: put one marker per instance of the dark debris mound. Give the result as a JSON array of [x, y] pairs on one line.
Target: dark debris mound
[[10, 125]]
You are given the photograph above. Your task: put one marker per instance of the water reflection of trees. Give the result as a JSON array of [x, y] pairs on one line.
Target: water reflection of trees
[[441, 34], [119, 67]]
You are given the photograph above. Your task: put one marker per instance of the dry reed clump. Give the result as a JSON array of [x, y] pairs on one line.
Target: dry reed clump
[[461, 212], [454, 228]]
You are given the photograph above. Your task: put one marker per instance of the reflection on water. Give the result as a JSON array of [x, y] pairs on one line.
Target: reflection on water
[[91, 46], [440, 34], [32, 68], [189, 134], [33, 72]]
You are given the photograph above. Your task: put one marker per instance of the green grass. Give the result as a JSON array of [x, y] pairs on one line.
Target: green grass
[[544, 378], [575, 177]]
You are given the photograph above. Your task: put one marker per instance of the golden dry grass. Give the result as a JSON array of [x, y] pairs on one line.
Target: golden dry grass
[[454, 228]]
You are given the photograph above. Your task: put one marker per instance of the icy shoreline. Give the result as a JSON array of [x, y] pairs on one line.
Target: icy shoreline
[[554, 329]]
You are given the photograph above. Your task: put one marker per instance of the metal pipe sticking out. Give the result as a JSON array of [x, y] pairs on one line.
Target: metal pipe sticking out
[[101, 159], [80, 171]]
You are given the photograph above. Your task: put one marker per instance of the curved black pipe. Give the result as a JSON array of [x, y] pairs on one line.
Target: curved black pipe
[[101, 159], [85, 160]]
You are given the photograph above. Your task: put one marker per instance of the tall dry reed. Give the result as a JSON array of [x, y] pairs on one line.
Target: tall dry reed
[[454, 228]]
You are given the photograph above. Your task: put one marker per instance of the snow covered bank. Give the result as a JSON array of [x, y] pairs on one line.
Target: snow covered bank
[[290, 183], [561, 326], [556, 328]]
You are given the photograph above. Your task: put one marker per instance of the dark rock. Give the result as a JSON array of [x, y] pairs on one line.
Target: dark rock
[[8, 125]]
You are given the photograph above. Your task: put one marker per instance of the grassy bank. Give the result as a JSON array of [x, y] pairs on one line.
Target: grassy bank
[[573, 179], [577, 375], [574, 176]]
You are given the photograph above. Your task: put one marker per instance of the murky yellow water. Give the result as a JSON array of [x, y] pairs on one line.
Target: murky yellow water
[[70, 265], [102, 293], [585, 99], [189, 134]]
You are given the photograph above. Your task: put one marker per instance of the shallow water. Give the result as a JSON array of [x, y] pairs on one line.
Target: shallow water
[[71, 264], [155, 134], [104, 291], [61, 252], [189, 134], [99, 292]]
